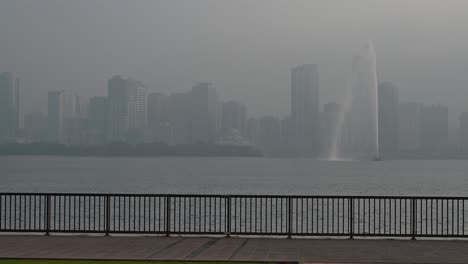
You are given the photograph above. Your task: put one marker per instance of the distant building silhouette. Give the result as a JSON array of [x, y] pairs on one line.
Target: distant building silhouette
[[180, 118], [463, 132], [388, 119], [97, 120], [328, 125], [159, 119], [409, 126], [204, 113], [434, 129], [305, 109], [9, 106], [233, 117], [62, 115], [127, 110], [252, 130]]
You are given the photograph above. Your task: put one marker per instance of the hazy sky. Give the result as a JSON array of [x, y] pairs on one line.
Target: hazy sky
[[246, 47]]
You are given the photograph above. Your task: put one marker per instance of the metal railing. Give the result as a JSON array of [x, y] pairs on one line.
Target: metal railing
[[384, 216]]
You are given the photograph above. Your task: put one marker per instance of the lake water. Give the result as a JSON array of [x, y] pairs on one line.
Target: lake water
[[232, 176]]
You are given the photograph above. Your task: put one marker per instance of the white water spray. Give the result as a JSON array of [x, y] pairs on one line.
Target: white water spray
[[356, 132]]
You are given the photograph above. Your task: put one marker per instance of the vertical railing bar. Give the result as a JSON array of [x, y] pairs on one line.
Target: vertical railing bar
[[107, 215], [168, 215], [452, 217], [289, 216], [228, 220], [47, 214]]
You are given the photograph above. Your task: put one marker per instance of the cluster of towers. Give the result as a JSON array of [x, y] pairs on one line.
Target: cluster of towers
[[129, 113]]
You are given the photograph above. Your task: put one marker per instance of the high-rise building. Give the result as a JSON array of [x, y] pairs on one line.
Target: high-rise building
[[409, 126], [179, 124], [388, 119], [97, 120], [127, 110], [305, 109], [233, 117], [434, 129], [9, 106], [62, 116], [159, 117], [204, 113], [463, 132], [328, 126]]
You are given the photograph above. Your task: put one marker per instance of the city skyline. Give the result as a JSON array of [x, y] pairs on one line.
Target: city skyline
[[128, 113], [79, 45]]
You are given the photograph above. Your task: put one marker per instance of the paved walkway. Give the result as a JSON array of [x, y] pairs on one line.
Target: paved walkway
[[234, 249]]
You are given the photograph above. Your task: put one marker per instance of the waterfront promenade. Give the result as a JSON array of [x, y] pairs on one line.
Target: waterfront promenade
[[233, 249]]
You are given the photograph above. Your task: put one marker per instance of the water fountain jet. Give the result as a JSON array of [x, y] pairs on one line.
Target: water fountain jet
[[356, 131]]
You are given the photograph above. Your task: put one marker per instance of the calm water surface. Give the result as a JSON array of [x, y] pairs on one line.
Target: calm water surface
[[232, 176]]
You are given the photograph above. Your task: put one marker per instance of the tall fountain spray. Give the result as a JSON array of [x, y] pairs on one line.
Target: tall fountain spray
[[356, 132]]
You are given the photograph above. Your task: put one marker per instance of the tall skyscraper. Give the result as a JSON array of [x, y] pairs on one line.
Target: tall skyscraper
[[127, 109], [434, 129], [9, 106], [464, 132], [63, 111], [204, 113], [388, 119], [328, 126], [409, 126], [305, 109]]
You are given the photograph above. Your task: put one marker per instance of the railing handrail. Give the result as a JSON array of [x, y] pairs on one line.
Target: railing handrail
[[239, 195]]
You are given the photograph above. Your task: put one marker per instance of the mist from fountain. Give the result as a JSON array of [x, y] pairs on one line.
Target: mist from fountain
[[355, 135]]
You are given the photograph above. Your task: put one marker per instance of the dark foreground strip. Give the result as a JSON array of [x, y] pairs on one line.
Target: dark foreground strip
[[202, 248]]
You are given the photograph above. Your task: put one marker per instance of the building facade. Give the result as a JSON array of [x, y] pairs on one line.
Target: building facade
[[9, 106], [204, 113], [63, 117], [388, 119], [159, 120], [127, 110], [233, 117], [463, 132], [97, 120], [305, 109], [409, 127]]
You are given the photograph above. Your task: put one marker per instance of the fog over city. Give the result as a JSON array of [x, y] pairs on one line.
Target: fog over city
[[211, 126], [246, 48]]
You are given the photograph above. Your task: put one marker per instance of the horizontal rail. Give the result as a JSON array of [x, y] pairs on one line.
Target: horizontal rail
[[241, 195], [279, 215]]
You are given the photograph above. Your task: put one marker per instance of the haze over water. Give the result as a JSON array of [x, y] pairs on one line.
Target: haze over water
[[233, 176]]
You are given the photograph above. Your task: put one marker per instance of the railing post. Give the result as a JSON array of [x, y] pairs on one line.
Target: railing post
[[168, 215], [413, 218], [228, 216], [290, 216], [48, 214], [107, 214], [351, 217]]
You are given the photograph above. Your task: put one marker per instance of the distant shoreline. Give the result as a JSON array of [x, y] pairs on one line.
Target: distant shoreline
[[129, 150]]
